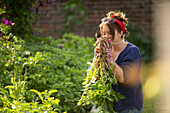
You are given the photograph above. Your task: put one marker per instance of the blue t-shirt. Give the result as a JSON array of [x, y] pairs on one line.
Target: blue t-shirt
[[130, 62]]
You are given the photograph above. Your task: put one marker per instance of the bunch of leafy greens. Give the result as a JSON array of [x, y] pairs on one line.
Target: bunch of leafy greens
[[99, 80]]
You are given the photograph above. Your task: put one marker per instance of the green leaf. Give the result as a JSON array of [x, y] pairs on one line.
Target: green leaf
[[52, 91], [35, 91], [121, 97]]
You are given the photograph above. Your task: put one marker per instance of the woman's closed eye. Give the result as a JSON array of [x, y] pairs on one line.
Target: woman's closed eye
[[107, 34]]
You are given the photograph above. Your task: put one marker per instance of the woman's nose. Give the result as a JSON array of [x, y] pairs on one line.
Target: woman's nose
[[107, 35]]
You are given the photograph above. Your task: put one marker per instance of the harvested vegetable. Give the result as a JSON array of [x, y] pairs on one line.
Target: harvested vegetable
[[100, 78]]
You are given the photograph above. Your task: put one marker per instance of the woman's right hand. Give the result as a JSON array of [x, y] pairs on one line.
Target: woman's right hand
[[96, 51], [108, 50]]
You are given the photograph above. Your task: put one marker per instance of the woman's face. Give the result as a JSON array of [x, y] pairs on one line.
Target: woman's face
[[107, 33]]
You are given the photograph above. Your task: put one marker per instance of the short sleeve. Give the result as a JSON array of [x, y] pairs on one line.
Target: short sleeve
[[131, 64]]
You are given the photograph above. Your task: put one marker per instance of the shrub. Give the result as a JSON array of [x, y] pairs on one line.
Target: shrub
[[47, 65], [63, 68], [14, 63]]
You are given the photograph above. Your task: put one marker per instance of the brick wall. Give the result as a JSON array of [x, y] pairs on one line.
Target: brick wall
[[138, 11]]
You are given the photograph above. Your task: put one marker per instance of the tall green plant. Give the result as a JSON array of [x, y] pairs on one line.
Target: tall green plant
[[10, 51], [14, 65]]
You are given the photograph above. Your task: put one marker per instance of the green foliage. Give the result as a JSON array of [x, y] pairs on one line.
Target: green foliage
[[75, 14], [47, 65], [20, 13], [144, 43], [63, 68], [10, 52], [13, 99], [101, 91], [14, 62]]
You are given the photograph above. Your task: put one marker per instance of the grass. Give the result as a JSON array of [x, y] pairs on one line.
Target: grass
[[151, 105]]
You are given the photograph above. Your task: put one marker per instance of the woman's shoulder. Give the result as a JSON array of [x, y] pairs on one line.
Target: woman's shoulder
[[131, 51], [130, 45], [132, 48]]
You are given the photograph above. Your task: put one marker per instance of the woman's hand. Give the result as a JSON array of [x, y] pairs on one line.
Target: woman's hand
[[109, 50], [96, 51]]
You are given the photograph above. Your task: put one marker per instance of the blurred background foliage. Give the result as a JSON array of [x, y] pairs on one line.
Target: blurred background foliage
[[48, 64], [145, 43], [75, 14]]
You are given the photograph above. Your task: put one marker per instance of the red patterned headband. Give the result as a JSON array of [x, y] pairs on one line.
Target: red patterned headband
[[113, 20], [121, 25]]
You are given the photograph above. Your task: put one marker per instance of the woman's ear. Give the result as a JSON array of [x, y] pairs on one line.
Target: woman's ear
[[121, 33]]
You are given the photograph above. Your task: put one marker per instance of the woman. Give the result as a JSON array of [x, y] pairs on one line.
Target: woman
[[127, 59]]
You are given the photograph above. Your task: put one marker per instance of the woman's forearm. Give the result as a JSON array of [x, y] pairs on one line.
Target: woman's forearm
[[119, 72]]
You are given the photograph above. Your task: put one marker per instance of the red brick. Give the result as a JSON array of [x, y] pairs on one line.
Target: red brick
[[138, 11]]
